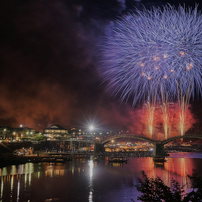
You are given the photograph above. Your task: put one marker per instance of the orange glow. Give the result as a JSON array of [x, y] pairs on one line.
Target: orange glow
[[182, 53], [156, 58], [159, 124], [180, 166], [191, 65], [165, 77], [172, 70], [142, 64], [156, 67], [149, 77]]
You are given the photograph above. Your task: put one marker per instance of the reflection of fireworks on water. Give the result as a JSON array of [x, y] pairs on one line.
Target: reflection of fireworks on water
[[157, 48]]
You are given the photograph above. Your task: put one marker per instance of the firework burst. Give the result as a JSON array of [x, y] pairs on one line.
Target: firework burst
[[152, 49]]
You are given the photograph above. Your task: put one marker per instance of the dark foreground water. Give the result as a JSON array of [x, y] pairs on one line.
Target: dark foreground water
[[88, 181]]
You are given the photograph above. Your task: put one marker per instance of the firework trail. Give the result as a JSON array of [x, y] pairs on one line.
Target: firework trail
[[165, 107], [150, 118], [157, 48], [150, 109], [183, 101]]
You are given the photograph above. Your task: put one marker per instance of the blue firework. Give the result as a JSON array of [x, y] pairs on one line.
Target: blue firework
[[154, 51]]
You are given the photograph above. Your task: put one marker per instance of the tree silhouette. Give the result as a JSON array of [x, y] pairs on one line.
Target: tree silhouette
[[155, 190]]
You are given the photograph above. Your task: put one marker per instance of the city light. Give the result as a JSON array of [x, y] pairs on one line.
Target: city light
[[91, 127]]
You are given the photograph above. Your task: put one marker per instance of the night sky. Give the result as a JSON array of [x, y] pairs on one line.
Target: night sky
[[49, 63]]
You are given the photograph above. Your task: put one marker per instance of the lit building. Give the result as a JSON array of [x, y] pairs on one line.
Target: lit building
[[5, 132], [23, 133], [8, 133], [55, 132], [74, 132]]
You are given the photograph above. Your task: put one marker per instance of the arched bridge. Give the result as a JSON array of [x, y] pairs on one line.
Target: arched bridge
[[180, 137], [114, 137], [152, 141], [158, 145]]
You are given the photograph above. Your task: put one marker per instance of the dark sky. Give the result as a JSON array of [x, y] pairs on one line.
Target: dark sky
[[49, 59]]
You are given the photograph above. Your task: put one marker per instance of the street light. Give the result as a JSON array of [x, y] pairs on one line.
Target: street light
[[91, 127]]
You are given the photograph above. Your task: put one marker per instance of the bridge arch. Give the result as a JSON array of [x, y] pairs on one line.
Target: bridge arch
[[199, 136], [104, 141]]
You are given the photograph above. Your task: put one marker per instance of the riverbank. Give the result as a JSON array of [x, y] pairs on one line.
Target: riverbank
[[10, 159]]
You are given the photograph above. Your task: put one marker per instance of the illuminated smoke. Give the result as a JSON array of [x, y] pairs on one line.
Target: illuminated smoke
[[158, 48], [173, 125]]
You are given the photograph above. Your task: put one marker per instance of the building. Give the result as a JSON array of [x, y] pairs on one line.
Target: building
[[55, 132], [6, 133], [22, 133]]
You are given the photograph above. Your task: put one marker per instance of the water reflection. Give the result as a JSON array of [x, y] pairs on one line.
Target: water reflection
[[91, 165], [87, 180], [2, 188], [18, 190]]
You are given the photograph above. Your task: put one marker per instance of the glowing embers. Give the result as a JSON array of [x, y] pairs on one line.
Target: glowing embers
[[172, 70], [148, 77], [141, 64], [165, 56], [156, 58], [157, 67], [182, 53], [190, 66], [165, 76]]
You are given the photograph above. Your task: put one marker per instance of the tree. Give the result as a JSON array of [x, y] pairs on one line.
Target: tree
[[154, 190], [39, 137], [196, 193]]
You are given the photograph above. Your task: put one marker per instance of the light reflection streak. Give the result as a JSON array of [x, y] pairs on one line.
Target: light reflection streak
[[21, 169], [25, 180], [4, 172], [30, 176], [11, 186], [2, 187], [38, 175], [13, 170], [91, 165], [18, 191], [72, 170], [26, 173]]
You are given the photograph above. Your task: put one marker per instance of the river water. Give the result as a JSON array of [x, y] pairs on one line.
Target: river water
[[88, 181]]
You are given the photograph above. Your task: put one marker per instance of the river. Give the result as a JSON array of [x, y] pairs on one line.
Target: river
[[88, 181]]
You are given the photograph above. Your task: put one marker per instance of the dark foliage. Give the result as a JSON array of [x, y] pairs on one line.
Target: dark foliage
[[154, 190]]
